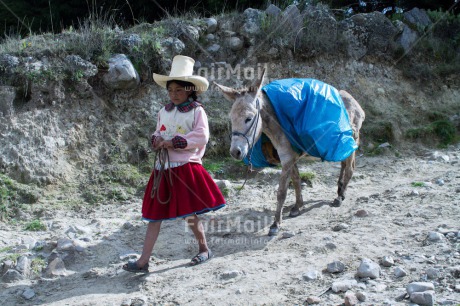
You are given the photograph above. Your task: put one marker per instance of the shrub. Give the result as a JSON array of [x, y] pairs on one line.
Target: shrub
[[35, 225], [443, 130]]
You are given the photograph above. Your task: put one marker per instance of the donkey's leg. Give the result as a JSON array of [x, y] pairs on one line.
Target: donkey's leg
[[280, 197], [295, 210], [346, 172]]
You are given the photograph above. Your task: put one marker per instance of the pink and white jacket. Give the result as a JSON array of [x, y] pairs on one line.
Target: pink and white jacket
[[187, 127]]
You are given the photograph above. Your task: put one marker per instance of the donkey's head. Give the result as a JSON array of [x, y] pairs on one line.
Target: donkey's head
[[244, 116]]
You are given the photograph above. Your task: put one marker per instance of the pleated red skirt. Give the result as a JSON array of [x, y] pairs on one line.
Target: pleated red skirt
[[191, 191]]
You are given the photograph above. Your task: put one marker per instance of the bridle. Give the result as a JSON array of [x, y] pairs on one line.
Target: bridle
[[254, 122]]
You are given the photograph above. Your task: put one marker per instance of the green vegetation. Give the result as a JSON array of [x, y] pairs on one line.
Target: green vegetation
[[5, 249], [37, 265], [227, 166], [442, 130], [307, 177], [13, 195], [418, 184], [226, 192], [379, 131], [13, 257], [35, 226]]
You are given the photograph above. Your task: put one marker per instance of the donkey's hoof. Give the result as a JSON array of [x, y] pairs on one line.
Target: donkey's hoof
[[337, 202], [273, 231], [294, 213]]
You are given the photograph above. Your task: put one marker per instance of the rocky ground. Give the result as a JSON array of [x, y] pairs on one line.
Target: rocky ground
[[394, 241]]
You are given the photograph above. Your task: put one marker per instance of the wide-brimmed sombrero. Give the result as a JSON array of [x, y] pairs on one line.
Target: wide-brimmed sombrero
[[182, 70]]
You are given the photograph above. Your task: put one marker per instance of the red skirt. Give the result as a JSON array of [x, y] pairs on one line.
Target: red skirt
[[190, 191]]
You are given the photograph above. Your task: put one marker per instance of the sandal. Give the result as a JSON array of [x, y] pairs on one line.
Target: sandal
[[200, 258], [132, 266]]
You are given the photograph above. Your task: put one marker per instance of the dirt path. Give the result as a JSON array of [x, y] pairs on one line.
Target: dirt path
[[395, 217]]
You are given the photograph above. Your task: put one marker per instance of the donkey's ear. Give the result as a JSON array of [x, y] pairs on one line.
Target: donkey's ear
[[258, 83], [229, 93]]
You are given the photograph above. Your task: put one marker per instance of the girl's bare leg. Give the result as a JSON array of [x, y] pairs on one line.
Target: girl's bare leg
[[197, 228], [153, 229]]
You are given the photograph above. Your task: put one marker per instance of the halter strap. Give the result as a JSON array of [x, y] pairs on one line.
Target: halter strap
[[244, 135]]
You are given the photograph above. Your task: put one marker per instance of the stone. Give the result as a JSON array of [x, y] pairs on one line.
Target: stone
[[432, 273], [387, 261], [211, 25], [23, 265], [191, 32], [292, 18], [224, 185], [368, 268], [252, 19], [30, 242], [172, 46], [287, 234], [214, 48], [343, 285], [28, 294], [400, 272], [361, 213], [65, 244], [235, 43], [121, 74], [80, 245], [408, 38], [423, 298], [56, 268], [311, 275], [273, 10], [350, 298], [367, 34], [417, 17], [77, 65], [227, 275], [361, 296], [7, 97], [419, 287], [335, 267], [130, 41], [312, 300], [11, 276], [340, 227], [435, 236]]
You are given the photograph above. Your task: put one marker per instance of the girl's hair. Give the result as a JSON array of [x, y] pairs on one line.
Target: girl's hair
[[186, 85]]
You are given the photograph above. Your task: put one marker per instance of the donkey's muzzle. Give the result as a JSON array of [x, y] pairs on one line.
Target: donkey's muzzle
[[237, 153]]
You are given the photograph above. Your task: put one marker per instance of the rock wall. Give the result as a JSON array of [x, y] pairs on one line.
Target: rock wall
[[52, 130]]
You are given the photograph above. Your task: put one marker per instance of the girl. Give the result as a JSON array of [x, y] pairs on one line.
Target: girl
[[179, 186]]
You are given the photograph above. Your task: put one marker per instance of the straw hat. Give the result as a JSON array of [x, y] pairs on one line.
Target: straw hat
[[182, 70]]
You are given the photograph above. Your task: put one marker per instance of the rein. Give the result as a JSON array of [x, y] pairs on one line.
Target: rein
[[162, 157], [250, 146]]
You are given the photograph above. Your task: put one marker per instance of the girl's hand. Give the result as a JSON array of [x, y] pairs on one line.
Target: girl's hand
[[166, 144], [157, 142]]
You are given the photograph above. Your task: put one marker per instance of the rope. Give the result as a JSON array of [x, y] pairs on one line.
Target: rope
[[162, 159]]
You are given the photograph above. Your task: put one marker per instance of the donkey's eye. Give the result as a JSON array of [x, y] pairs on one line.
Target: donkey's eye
[[248, 119]]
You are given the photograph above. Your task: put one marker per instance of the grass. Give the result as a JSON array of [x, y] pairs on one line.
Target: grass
[[418, 184], [307, 177], [13, 195], [35, 226], [5, 249], [441, 130], [12, 257], [37, 265], [225, 168]]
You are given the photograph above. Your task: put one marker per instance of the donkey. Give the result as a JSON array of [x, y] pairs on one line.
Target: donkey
[[252, 114]]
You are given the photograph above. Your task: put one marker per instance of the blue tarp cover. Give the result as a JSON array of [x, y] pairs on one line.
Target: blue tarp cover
[[313, 117]]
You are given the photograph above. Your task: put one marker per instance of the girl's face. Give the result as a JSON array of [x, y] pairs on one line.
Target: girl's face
[[178, 94]]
